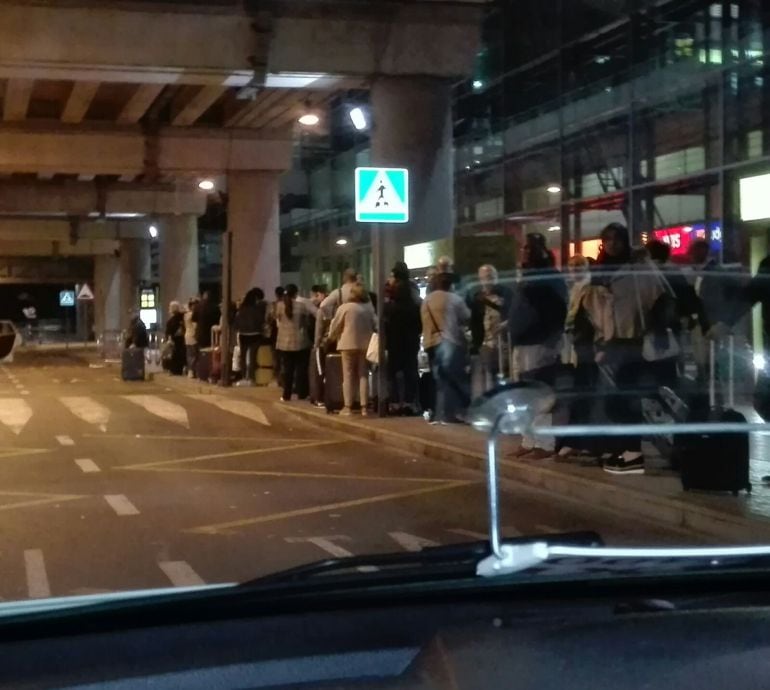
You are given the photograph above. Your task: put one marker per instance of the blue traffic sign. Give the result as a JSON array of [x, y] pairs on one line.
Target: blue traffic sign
[[382, 195], [67, 298]]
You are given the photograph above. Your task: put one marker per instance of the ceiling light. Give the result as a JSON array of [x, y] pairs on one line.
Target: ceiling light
[[553, 189], [759, 361], [153, 230], [206, 185], [341, 241], [555, 228], [309, 119], [477, 84], [358, 118]]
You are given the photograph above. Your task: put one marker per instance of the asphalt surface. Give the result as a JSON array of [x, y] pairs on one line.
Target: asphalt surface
[[107, 485]]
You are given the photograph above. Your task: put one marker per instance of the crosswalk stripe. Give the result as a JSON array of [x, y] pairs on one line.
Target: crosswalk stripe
[[14, 413], [37, 577], [164, 409], [469, 533], [181, 574], [121, 505], [87, 409], [410, 542], [65, 441], [333, 549], [237, 407], [87, 465]]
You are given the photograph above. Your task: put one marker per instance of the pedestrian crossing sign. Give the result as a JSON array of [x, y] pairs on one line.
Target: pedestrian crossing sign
[[67, 298], [382, 195]]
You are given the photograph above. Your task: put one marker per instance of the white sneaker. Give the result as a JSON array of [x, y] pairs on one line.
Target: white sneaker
[[345, 412]]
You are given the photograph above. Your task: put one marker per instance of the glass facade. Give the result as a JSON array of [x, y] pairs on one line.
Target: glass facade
[[584, 112]]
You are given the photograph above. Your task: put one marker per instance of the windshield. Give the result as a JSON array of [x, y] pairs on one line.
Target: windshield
[[261, 289]]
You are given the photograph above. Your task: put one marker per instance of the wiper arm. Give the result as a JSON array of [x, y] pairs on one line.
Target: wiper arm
[[455, 560]]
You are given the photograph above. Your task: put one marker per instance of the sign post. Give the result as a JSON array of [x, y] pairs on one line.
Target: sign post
[[382, 197]]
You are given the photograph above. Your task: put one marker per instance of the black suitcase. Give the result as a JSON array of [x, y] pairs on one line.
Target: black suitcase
[[714, 461], [132, 364], [333, 399], [316, 376]]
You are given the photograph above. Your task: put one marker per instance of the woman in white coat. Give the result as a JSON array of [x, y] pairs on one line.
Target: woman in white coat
[[352, 328]]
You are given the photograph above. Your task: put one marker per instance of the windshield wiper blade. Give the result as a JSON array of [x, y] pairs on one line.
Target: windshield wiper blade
[[455, 560]]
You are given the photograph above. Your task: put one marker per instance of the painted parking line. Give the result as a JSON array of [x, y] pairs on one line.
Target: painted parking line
[[330, 546], [121, 505], [37, 577], [65, 440], [411, 542], [87, 465], [181, 574], [228, 527]]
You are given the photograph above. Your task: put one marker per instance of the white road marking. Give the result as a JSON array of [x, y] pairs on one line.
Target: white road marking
[[88, 410], [327, 544], [24, 392], [181, 574], [65, 440], [14, 413], [469, 533], [37, 578], [161, 408], [87, 465], [548, 528], [239, 407], [410, 542], [121, 505]]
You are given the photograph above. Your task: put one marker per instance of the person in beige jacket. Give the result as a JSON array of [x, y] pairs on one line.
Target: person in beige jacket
[[352, 328]]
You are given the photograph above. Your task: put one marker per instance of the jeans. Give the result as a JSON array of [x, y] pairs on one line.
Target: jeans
[[452, 386], [355, 372], [623, 405], [249, 344], [404, 361], [295, 373], [192, 358]]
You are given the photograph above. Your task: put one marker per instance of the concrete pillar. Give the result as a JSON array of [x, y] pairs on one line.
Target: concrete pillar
[[178, 260], [107, 294], [252, 219], [134, 270], [412, 128]]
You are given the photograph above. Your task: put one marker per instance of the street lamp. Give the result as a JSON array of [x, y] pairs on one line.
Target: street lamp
[[358, 118]]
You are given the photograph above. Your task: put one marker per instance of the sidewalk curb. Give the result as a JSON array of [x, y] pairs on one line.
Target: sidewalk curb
[[666, 511]]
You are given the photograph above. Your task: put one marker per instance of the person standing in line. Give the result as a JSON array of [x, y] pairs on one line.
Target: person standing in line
[[352, 328], [175, 339], [402, 339], [536, 326], [191, 337], [489, 305], [205, 317], [272, 328], [250, 326], [338, 297], [444, 316], [293, 343], [136, 336]]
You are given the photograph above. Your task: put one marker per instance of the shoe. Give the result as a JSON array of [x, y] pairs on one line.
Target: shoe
[[364, 412], [625, 463], [284, 399], [345, 412]]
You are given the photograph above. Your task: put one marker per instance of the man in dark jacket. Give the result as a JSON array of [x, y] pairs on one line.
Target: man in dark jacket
[[490, 305], [536, 326], [250, 326], [206, 315]]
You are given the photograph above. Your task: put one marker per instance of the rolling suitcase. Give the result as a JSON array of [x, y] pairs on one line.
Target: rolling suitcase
[[132, 364], [209, 367], [316, 376], [333, 399], [715, 461]]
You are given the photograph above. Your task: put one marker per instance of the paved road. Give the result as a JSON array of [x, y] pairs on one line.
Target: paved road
[[106, 485]]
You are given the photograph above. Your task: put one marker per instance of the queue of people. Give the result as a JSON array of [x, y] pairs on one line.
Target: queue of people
[[616, 324]]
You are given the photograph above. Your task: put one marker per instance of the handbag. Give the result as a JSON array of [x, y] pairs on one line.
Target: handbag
[[373, 351], [657, 346]]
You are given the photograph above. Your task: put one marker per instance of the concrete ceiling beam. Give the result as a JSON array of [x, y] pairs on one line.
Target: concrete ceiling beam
[[72, 198], [189, 108], [101, 151], [79, 101], [33, 247], [139, 103], [16, 99]]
